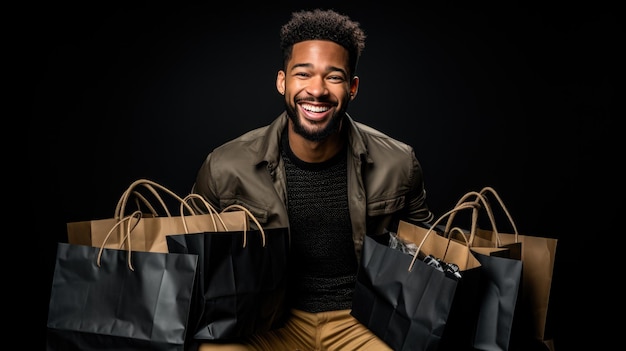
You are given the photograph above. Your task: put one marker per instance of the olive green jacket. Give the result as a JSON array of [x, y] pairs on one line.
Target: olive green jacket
[[385, 180]]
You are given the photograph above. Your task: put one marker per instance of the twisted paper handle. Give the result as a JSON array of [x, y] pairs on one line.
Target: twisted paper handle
[[251, 216], [129, 228], [462, 206]]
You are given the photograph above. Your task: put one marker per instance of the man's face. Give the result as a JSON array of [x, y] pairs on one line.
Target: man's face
[[317, 88]]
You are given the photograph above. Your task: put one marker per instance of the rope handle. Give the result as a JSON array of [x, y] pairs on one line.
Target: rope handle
[[139, 196], [211, 210], [463, 206], [129, 228], [480, 199], [459, 232], [493, 192], [251, 216], [120, 208], [152, 186], [489, 190]]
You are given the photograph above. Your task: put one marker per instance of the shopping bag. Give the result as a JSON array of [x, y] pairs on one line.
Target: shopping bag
[[531, 321], [499, 289], [463, 318], [501, 286], [157, 220], [408, 302], [110, 299], [502, 275], [242, 279]]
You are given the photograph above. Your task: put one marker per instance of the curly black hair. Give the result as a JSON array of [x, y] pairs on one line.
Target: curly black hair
[[321, 24]]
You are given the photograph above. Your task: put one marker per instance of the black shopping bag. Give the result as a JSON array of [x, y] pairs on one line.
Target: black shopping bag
[[532, 322], [501, 285], [242, 279], [110, 299], [407, 308], [501, 265], [403, 300], [462, 318]]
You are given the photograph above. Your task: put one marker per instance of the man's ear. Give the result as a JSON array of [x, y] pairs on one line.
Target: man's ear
[[354, 87], [280, 82]]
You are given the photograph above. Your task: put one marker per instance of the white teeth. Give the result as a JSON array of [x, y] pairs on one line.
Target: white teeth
[[315, 108]]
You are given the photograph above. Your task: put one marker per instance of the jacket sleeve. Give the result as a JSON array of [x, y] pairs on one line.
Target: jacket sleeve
[[417, 208], [205, 187]]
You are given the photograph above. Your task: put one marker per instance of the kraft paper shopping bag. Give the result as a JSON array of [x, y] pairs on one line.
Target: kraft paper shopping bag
[[157, 221]]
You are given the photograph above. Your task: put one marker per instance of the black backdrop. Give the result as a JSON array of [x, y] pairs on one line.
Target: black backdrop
[[518, 98]]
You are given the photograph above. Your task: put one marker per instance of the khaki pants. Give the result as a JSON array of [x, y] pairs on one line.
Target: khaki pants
[[324, 331]]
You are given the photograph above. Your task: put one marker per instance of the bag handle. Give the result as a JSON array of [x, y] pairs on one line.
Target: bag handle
[[493, 192], [462, 206], [251, 216], [480, 199], [152, 186], [120, 208], [460, 232], [129, 228], [483, 198], [211, 210], [139, 196]]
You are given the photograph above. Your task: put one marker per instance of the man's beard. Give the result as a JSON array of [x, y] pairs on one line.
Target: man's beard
[[332, 127]]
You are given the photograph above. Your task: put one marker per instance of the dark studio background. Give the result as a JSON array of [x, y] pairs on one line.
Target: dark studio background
[[518, 97]]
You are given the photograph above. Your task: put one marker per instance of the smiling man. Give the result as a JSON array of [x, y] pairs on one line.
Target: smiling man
[[329, 179]]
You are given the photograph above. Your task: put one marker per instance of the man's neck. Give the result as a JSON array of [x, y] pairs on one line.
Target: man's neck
[[314, 151]]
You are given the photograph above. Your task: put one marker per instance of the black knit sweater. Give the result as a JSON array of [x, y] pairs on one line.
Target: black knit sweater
[[323, 264]]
